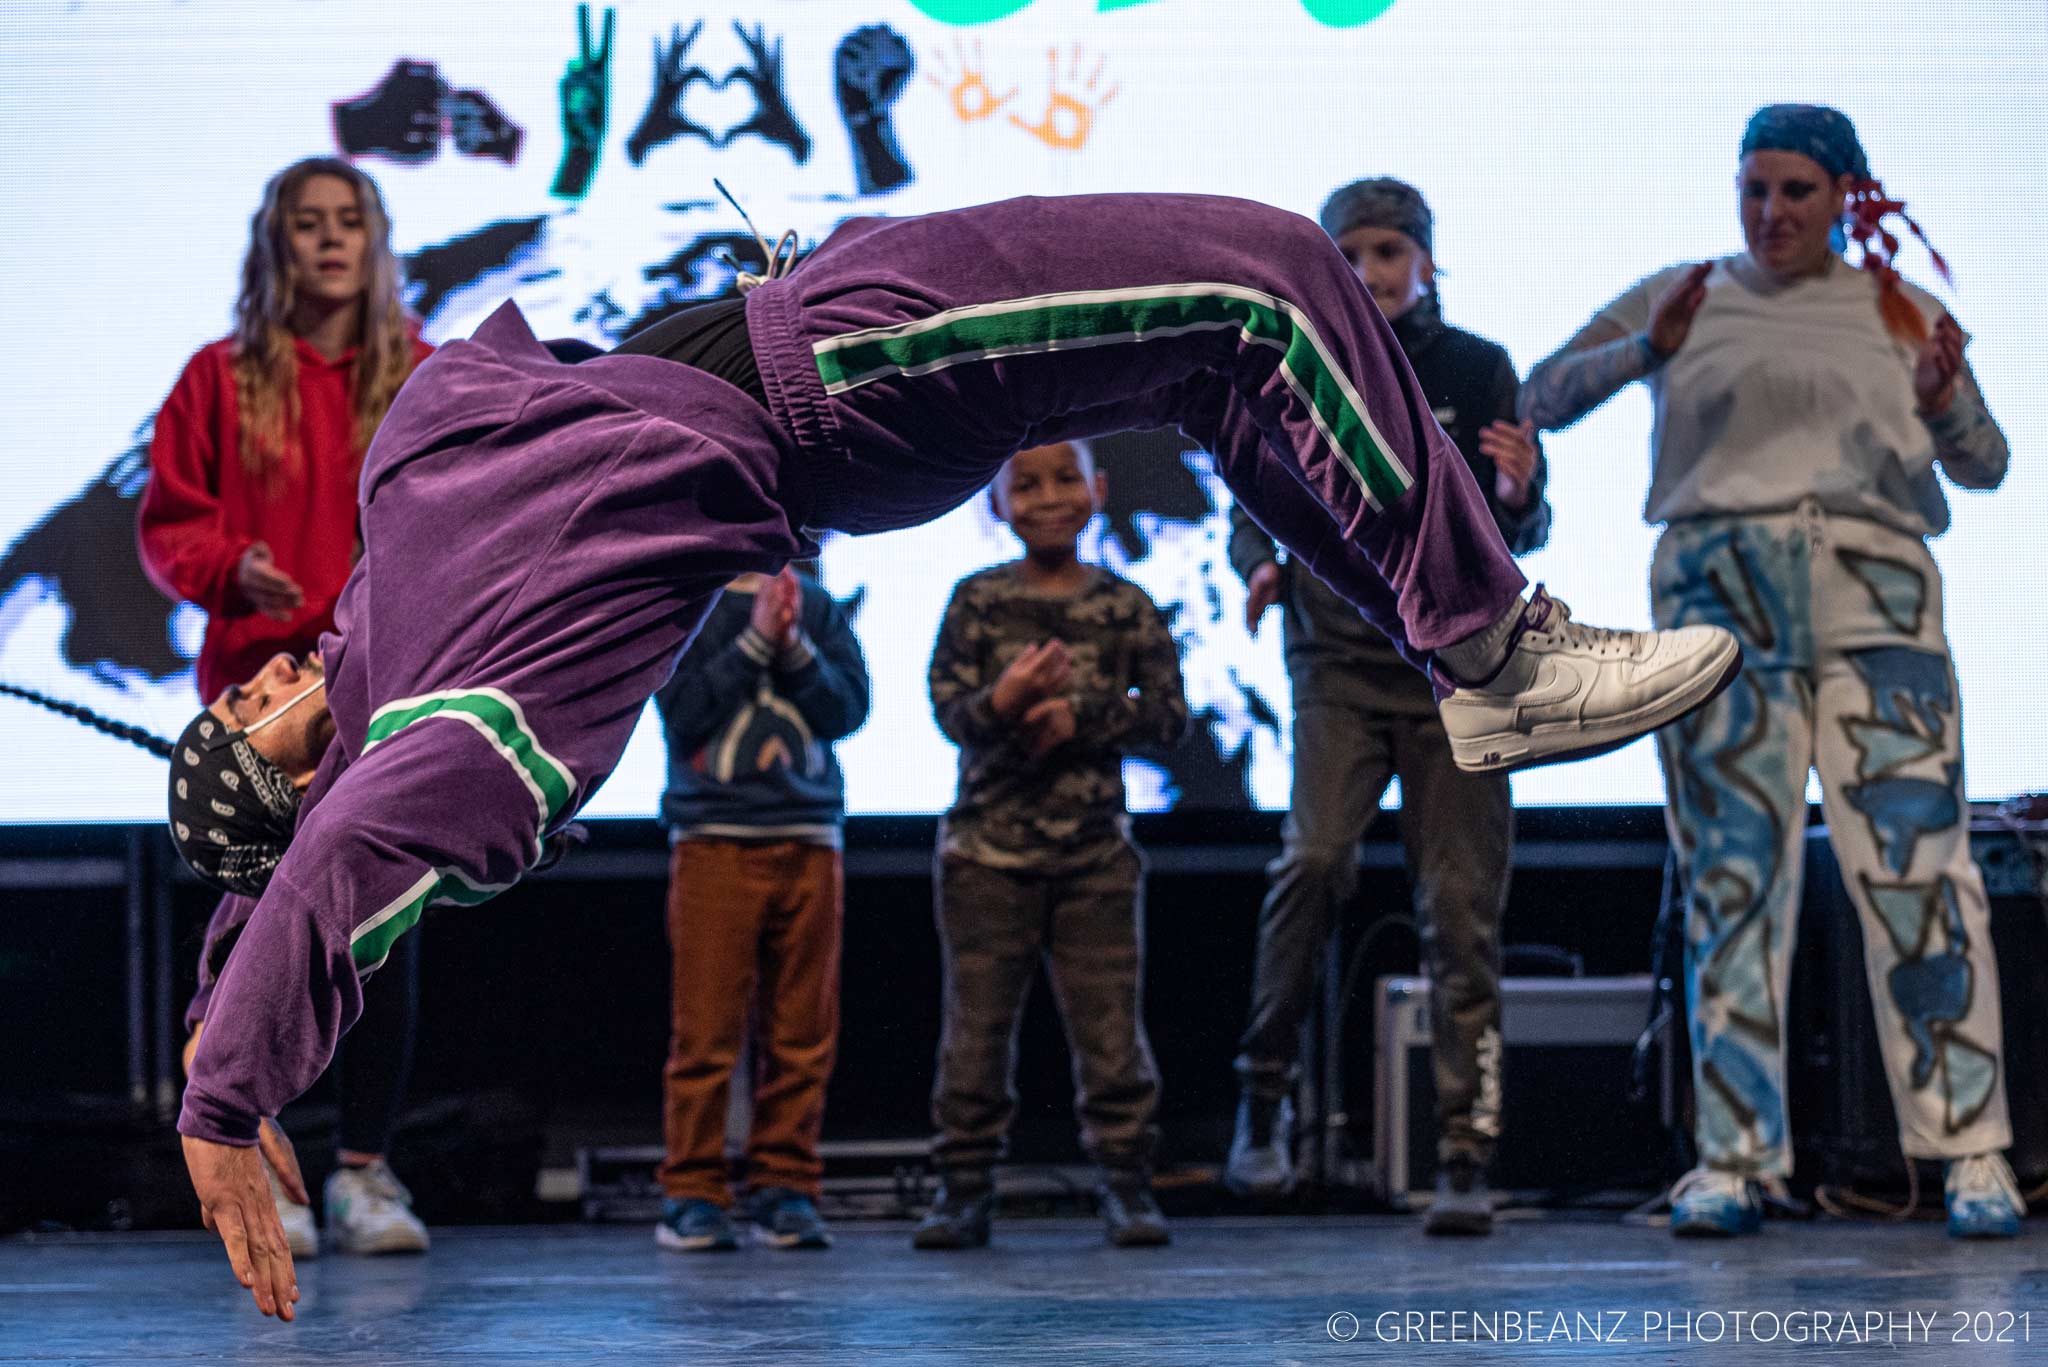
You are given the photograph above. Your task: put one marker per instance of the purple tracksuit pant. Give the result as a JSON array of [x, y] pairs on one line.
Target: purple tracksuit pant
[[910, 357], [542, 540]]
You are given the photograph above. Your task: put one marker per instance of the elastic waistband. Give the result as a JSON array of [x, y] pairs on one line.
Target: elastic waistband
[[1807, 512], [796, 396]]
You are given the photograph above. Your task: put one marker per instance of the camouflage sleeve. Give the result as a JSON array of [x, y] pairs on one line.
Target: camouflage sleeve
[[961, 695], [1967, 441], [1146, 709], [1602, 358]]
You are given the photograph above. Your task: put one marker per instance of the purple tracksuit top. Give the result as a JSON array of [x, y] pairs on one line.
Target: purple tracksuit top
[[541, 540]]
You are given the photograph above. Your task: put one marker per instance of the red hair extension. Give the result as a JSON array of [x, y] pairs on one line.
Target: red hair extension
[[1863, 222]]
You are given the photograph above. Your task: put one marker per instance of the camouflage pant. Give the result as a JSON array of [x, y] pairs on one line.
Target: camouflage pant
[[1456, 829], [1846, 669], [995, 925]]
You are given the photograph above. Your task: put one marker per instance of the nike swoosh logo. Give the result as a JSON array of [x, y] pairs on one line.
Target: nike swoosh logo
[[1554, 687]]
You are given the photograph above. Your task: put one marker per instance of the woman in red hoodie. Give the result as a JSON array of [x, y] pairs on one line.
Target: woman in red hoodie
[[251, 506], [250, 513]]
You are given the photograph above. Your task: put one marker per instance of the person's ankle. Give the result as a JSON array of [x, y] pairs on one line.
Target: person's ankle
[[1473, 660]]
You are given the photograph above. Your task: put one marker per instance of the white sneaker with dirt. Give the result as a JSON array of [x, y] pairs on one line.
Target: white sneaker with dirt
[[1708, 1203], [1568, 691], [301, 1235], [370, 1211], [1984, 1200]]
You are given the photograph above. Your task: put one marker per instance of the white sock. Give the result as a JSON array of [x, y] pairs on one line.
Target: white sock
[[1481, 654]]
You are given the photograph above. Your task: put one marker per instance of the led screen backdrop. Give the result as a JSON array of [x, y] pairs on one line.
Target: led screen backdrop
[[1567, 149]]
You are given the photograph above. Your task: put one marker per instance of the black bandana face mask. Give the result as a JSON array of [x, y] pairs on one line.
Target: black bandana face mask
[[232, 810]]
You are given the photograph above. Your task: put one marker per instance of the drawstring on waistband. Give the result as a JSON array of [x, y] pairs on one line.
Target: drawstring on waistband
[[780, 259]]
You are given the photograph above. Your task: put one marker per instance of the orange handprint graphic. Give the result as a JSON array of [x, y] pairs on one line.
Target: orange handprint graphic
[[966, 85], [1071, 104]]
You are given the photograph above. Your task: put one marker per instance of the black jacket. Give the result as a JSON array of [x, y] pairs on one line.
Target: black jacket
[[1332, 651]]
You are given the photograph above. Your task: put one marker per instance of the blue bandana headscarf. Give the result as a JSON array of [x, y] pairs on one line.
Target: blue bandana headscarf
[[1813, 131], [1826, 137]]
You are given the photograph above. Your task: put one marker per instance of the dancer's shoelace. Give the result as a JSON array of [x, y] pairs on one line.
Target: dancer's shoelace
[[780, 258], [1558, 622]]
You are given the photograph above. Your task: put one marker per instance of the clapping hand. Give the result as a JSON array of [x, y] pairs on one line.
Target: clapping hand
[[1671, 316], [778, 609], [1262, 590], [274, 593], [1511, 446], [1941, 360], [1039, 673], [1050, 723]]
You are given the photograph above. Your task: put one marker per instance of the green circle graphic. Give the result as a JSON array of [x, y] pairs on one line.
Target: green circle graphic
[[967, 13], [1346, 13]]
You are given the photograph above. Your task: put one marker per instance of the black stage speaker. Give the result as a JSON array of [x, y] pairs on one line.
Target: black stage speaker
[[1844, 1129], [1569, 1122]]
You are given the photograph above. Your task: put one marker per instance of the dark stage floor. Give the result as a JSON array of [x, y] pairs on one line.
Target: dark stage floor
[[1230, 1290]]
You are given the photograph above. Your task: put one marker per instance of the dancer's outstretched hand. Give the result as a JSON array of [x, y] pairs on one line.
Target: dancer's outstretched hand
[[235, 1203]]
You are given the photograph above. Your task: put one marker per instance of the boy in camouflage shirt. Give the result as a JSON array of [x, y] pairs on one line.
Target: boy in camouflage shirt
[[1047, 673]]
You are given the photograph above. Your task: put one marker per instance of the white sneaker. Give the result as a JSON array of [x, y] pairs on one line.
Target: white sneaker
[[1710, 1203], [1984, 1200], [301, 1235], [370, 1211], [1568, 691]]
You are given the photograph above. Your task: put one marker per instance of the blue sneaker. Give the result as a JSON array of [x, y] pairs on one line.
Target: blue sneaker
[[1708, 1203], [1984, 1200], [788, 1219], [695, 1227]]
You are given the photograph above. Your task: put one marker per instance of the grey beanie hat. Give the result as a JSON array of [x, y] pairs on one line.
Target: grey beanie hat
[[1381, 202]]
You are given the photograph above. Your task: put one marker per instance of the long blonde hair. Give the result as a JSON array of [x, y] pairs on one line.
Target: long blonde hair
[[266, 365]]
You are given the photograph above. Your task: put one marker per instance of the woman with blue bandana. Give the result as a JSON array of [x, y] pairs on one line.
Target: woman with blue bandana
[[1802, 407]]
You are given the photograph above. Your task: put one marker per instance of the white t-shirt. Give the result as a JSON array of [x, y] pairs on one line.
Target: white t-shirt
[[1788, 392]]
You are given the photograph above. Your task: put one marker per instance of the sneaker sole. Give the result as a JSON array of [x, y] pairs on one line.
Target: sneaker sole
[[1458, 1226], [378, 1247], [1505, 752], [947, 1244], [1128, 1239], [676, 1243], [1237, 1185], [791, 1241]]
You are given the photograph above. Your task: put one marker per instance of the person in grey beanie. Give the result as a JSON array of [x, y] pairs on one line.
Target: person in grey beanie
[[1359, 721]]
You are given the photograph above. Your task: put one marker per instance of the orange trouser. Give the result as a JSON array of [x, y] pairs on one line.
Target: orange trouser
[[750, 924]]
